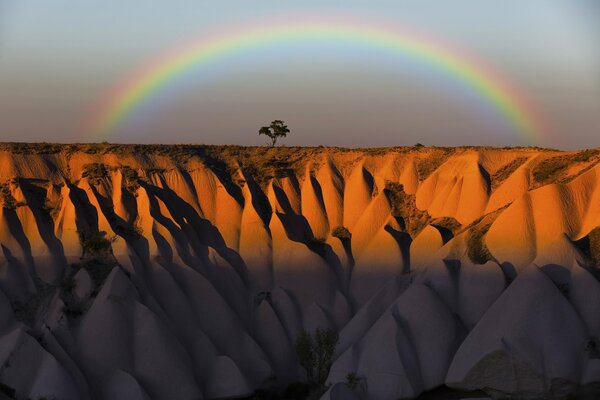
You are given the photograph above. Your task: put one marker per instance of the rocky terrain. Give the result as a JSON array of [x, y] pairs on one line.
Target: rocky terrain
[[187, 272]]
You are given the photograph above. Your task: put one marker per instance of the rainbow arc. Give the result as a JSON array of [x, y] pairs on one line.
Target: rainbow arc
[[126, 97]]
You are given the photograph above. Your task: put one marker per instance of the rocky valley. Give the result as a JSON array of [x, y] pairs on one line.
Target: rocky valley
[[187, 272]]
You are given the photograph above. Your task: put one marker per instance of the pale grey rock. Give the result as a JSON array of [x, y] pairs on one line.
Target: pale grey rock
[[226, 380], [33, 372], [529, 342], [123, 386], [433, 332], [83, 284]]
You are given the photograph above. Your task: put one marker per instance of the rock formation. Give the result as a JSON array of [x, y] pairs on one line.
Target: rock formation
[[187, 272]]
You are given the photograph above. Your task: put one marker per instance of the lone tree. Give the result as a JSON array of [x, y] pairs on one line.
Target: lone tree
[[276, 130]]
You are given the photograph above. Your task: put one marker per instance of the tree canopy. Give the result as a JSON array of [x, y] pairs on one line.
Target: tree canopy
[[274, 131]]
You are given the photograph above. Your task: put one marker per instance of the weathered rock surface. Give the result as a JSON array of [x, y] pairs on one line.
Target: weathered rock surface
[[187, 272]]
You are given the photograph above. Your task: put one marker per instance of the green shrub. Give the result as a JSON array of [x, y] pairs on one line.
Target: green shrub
[[315, 354]]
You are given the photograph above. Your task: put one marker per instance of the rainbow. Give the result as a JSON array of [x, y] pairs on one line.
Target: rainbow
[[130, 94]]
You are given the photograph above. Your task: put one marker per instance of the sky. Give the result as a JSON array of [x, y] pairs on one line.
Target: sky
[[60, 60]]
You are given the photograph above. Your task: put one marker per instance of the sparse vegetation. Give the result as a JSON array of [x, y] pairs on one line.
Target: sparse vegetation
[[95, 173], [404, 207], [8, 201], [95, 243], [315, 354], [353, 380], [29, 310], [449, 223], [476, 248], [341, 232], [593, 348], [427, 165], [32, 148], [317, 240], [507, 170], [129, 231], [97, 258], [73, 307], [130, 178], [154, 171], [553, 169]]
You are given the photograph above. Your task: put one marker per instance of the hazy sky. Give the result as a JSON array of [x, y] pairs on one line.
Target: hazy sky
[[59, 59]]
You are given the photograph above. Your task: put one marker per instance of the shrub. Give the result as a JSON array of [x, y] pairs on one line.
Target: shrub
[[8, 200], [94, 172], [129, 231], [72, 307], [341, 232], [593, 348], [315, 354], [353, 380], [130, 178], [314, 240], [95, 243], [7, 390], [28, 310], [448, 223], [404, 206], [396, 197]]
